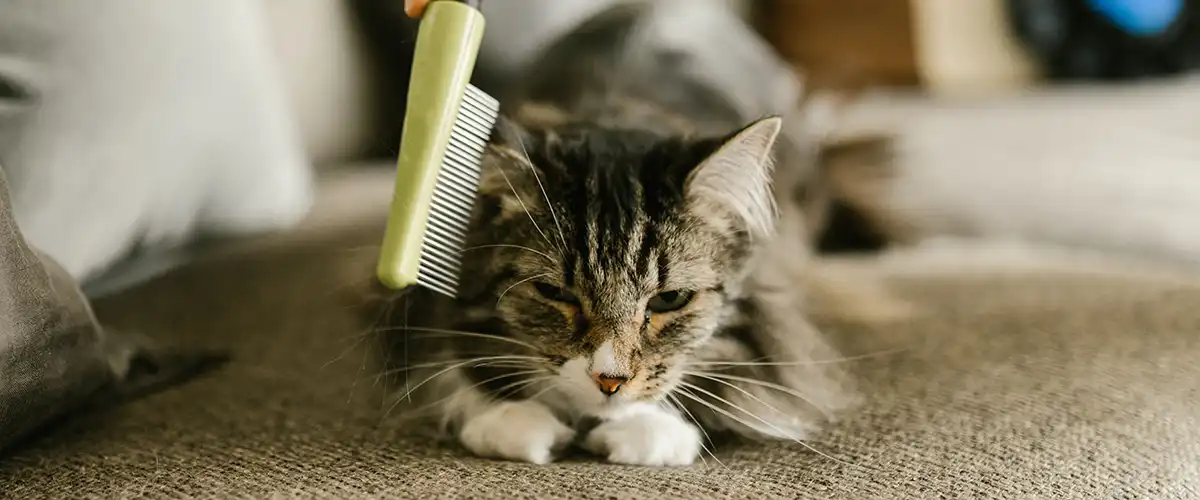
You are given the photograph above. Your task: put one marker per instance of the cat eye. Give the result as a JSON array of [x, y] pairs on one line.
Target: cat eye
[[556, 293], [669, 301]]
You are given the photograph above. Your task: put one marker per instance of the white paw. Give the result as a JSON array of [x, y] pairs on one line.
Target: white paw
[[516, 430], [654, 438]]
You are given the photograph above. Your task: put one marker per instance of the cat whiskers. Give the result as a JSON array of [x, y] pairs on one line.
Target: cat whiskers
[[514, 285], [478, 362], [516, 360], [417, 411], [539, 394], [723, 379], [810, 362], [521, 385], [686, 390], [518, 247], [439, 332], [529, 162], [524, 207], [489, 360]]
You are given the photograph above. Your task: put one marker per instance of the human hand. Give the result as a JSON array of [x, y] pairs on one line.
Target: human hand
[[414, 8]]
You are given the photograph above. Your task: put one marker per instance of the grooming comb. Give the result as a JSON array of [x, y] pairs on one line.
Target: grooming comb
[[446, 127]]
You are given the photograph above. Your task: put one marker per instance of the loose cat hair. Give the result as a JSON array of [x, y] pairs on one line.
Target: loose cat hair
[[631, 280]]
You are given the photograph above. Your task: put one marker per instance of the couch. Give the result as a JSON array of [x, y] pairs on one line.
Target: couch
[[1021, 374]]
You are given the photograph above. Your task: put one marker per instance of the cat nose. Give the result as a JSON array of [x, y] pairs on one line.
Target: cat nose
[[609, 384]]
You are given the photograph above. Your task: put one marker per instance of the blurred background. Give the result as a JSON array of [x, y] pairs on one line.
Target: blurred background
[[130, 135], [983, 46], [1047, 123]]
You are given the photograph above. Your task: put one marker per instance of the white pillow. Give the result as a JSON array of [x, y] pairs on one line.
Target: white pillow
[[146, 123], [1112, 168]]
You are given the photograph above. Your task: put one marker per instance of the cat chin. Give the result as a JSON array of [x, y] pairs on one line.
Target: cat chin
[[576, 394]]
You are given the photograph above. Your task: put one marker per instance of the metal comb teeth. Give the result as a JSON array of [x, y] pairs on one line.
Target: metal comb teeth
[[455, 193]]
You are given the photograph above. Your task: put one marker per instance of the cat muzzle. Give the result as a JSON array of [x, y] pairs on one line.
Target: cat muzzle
[[609, 384]]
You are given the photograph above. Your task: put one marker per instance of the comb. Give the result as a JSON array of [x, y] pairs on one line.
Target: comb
[[446, 128]]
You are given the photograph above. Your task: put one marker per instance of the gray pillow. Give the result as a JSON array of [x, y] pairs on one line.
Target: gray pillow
[[54, 356]]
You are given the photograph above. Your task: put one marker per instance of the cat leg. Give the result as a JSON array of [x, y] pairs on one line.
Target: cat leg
[[525, 431], [646, 435]]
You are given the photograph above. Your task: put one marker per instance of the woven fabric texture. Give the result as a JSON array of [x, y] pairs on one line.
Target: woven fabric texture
[[1011, 386]]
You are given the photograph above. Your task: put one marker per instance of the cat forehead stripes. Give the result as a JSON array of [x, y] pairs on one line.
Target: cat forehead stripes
[[632, 202]]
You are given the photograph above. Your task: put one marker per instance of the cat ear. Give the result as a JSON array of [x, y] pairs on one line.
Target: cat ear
[[735, 180]]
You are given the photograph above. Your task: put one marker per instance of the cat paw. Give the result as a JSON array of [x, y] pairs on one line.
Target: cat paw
[[654, 438], [523, 431]]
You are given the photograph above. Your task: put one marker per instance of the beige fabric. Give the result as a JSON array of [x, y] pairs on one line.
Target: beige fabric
[[1047, 385]]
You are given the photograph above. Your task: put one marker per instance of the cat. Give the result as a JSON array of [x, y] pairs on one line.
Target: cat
[[632, 280]]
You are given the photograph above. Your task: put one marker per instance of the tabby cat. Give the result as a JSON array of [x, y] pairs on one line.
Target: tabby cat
[[631, 277]]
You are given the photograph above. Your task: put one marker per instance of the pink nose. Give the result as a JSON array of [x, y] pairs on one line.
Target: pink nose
[[609, 384]]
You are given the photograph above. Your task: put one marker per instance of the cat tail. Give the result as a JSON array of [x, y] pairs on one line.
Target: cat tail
[[839, 180]]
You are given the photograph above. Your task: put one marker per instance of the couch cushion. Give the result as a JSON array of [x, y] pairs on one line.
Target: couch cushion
[[139, 127], [1046, 384]]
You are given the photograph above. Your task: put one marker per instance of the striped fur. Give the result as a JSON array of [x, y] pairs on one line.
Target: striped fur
[[600, 206]]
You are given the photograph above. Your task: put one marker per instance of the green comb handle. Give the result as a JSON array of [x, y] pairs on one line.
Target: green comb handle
[[447, 44]]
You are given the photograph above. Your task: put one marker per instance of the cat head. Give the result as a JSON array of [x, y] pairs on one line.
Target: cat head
[[615, 253]]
